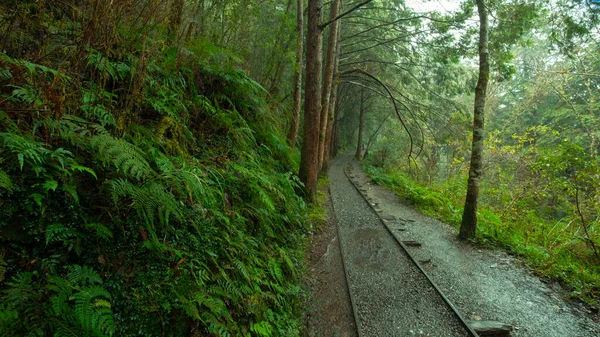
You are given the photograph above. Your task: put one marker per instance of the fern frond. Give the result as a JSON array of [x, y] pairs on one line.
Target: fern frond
[[5, 181], [5, 74], [59, 302], [68, 128], [60, 233], [150, 200], [100, 130], [167, 103], [241, 267], [24, 148], [80, 168], [287, 260], [8, 317], [215, 325], [25, 95], [102, 231], [80, 304], [125, 156], [275, 270], [84, 275], [115, 70], [103, 320], [33, 68], [93, 105], [101, 114], [7, 123], [262, 328]]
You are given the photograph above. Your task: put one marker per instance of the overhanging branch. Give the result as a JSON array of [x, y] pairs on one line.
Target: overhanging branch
[[391, 96], [323, 25]]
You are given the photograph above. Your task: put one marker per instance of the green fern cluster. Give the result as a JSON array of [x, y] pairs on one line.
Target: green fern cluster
[[125, 157], [150, 198], [76, 305]]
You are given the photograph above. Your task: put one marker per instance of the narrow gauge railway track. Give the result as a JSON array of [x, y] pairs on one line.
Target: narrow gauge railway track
[[390, 292]]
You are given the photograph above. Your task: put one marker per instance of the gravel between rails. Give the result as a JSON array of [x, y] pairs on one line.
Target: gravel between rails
[[392, 297]]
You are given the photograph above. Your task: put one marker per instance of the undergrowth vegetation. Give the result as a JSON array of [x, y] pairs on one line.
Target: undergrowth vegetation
[[539, 203], [144, 187], [317, 213]]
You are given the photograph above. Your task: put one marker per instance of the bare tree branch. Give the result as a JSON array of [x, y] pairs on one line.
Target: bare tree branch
[[360, 71], [323, 25]]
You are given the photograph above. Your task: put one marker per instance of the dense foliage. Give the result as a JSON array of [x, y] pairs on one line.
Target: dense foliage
[[144, 187]]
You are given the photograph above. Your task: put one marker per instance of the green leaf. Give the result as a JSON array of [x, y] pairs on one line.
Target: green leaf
[[262, 328], [101, 230], [102, 303], [21, 160], [72, 192], [84, 169], [37, 198], [5, 181], [50, 185]]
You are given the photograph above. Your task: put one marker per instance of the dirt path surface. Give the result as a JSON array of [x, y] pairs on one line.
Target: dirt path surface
[[392, 297], [330, 310], [482, 284]]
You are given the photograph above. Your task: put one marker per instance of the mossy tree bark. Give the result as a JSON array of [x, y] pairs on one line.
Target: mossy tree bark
[[468, 225], [310, 146]]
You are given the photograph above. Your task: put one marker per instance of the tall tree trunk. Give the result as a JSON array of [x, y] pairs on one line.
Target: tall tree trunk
[[468, 225], [329, 131], [310, 145], [358, 154], [335, 139], [293, 132], [332, 59], [333, 101]]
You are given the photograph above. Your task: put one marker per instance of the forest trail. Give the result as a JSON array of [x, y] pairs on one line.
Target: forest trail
[[482, 284], [390, 295]]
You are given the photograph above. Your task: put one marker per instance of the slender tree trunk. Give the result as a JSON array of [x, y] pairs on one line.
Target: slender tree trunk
[[330, 121], [293, 133], [333, 104], [310, 146], [335, 141], [468, 226], [358, 154], [332, 59], [374, 135]]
